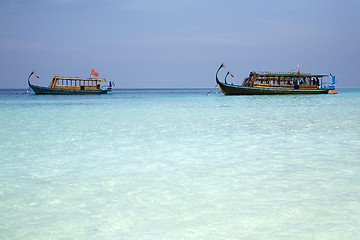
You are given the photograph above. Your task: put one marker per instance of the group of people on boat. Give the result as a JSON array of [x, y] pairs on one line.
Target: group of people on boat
[[278, 81]]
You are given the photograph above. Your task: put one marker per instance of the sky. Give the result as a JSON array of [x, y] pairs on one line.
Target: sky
[[176, 43]]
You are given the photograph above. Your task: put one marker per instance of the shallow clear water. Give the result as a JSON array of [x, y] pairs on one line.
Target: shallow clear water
[[178, 164]]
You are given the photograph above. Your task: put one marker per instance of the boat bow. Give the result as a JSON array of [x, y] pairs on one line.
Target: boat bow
[[29, 78], [221, 66]]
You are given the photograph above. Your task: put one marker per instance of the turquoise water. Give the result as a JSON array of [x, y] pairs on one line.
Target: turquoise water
[[178, 164]]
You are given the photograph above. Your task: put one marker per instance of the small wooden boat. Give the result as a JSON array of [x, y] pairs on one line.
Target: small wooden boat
[[72, 86], [263, 83]]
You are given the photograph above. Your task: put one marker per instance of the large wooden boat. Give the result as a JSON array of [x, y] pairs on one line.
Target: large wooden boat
[[263, 83], [71, 86]]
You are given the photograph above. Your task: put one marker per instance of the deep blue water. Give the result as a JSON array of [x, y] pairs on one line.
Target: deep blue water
[[179, 164]]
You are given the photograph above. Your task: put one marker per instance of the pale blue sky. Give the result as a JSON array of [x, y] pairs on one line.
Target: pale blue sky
[[172, 43]]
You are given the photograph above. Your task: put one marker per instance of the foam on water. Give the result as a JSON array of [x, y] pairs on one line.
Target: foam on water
[[177, 164]]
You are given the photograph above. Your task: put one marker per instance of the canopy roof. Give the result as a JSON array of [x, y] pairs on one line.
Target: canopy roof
[[287, 74], [80, 79]]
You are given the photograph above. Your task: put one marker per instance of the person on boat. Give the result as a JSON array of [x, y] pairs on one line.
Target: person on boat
[[313, 81]]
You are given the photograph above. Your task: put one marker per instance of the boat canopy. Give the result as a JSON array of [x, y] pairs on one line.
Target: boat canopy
[[76, 83], [284, 80]]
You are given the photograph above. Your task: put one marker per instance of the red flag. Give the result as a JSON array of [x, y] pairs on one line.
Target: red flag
[[232, 75], [36, 76], [94, 73]]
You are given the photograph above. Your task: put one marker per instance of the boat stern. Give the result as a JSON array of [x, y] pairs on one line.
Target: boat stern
[[331, 87]]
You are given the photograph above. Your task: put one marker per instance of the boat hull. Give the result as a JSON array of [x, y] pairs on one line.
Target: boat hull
[[57, 91], [229, 89]]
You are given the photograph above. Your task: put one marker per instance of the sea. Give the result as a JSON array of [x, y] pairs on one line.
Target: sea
[[179, 164]]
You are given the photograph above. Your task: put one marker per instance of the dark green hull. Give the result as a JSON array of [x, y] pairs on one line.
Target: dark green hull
[[57, 91], [229, 89]]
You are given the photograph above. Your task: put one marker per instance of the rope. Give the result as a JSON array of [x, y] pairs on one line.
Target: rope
[[27, 91], [211, 90]]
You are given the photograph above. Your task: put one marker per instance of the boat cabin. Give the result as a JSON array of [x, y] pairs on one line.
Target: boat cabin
[[74, 83], [287, 80]]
